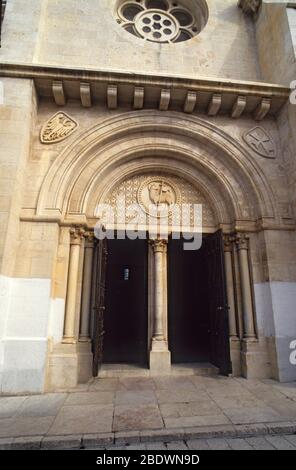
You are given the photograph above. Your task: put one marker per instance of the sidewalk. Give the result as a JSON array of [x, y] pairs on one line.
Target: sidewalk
[[139, 410]]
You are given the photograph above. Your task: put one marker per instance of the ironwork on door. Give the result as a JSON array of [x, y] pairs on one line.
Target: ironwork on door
[[218, 305], [100, 264]]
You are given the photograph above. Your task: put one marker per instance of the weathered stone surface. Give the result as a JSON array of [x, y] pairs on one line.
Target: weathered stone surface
[[61, 442]]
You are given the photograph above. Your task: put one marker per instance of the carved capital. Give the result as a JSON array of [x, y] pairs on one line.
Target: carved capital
[[242, 241], [228, 243], [76, 234], [89, 238], [250, 7], [159, 246]]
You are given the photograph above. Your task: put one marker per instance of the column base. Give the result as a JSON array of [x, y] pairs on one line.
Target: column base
[[69, 340], [235, 355], [62, 370], [84, 339], [85, 361], [255, 360], [160, 362]]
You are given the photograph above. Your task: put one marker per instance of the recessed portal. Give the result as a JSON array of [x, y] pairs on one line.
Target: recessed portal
[[125, 323], [189, 323], [198, 311]]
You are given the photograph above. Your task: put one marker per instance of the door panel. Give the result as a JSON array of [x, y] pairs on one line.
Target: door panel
[[218, 306], [188, 305], [126, 302], [100, 262]]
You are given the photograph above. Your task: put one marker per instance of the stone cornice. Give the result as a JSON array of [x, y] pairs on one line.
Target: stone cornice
[[116, 88]]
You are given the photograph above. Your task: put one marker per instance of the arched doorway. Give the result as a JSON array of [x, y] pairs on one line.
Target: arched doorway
[[215, 167]]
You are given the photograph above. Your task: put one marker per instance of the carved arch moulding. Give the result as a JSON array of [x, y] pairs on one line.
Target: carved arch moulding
[[186, 147]]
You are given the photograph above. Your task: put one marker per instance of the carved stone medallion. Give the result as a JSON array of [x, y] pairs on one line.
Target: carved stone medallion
[[157, 195], [261, 142], [58, 128]]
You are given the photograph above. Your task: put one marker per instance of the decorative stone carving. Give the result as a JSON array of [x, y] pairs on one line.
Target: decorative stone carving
[[158, 193], [135, 191], [261, 142], [58, 128], [77, 235], [250, 7]]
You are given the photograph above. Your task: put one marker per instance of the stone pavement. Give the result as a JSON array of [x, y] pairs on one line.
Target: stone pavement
[[166, 410]]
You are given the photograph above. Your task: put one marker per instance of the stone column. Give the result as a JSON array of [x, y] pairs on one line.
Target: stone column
[[242, 243], [160, 358], [84, 332], [75, 246], [228, 245]]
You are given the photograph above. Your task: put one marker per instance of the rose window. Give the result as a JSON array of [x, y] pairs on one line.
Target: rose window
[[163, 21]]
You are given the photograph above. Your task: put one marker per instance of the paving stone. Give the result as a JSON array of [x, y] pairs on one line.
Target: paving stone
[[291, 439], [134, 383], [218, 444], [5, 443], [281, 428], [10, 405], [198, 444], [83, 419], [136, 447], [42, 405], [139, 397], [90, 398], [177, 445], [243, 430], [137, 417], [162, 435], [192, 421], [225, 430], [174, 383], [199, 408], [27, 443], [239, 444], [180, 396], [25, 426], [259, 443], [156, 446], [280, 443], [104, 385], [61, 442], [251, 415], [91, 440], [125, 437]]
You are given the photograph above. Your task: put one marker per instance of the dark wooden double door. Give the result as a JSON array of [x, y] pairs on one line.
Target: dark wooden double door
[[197, 304], [198, 310]]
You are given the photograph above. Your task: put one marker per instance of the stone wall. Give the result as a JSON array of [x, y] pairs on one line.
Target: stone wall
[[85, 34]]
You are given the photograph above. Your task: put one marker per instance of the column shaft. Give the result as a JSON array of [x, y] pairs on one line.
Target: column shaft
[[230, 288], [69, 328], [248, 315], [84, 334]]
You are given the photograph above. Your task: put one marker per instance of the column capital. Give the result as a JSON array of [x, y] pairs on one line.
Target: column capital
[[159, 246], [228, 243], [242, 241], [250, 7], [76, 235], [89, 237]]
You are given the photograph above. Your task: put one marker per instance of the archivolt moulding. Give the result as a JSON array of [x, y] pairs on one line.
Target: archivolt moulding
[[206, 154]]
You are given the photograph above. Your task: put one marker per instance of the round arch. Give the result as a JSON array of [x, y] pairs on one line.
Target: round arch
[[192, 148]]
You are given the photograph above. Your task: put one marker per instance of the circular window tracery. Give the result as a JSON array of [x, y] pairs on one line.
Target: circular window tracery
[[163, 21]]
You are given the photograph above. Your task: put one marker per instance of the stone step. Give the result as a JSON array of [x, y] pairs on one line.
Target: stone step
[[134, 370]]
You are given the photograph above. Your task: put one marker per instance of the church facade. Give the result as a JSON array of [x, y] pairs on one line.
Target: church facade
[[161, 104]]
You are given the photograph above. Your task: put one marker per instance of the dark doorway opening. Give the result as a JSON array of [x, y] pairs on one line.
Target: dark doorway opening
[[189, 325], [125, 323], [198, 311]]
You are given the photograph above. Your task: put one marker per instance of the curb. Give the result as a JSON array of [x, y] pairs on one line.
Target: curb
[[85, 441]]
